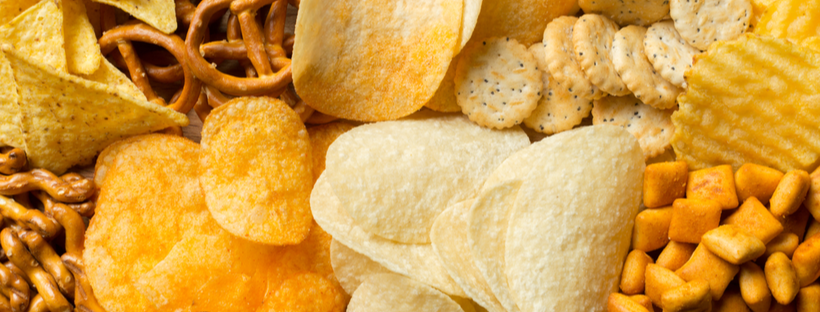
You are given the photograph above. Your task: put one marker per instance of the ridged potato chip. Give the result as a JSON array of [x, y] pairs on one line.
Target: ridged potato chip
[[388, 175], [256, 170], [393, 292], [351, 62], [753, 100], [522, 20], [796, 20], [321, 137], [351, 267]]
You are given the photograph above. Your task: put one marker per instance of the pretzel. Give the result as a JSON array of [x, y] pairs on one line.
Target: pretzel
[[74, 226], [38, 304], [31, 218], [17, 271], [15, 289], [85, 209], [49, 259], [120, 38], [43, 282], [266, 53], [70, 188], [12, 161], [298, 105]]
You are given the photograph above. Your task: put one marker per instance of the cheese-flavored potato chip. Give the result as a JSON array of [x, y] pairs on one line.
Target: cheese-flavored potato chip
[[389, 175], [256, 170], [306, 292], [393, 292], [351, 267], [752, 100], [106, 158]]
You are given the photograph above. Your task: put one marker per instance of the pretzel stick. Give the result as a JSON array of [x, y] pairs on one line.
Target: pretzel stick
[[74, 244], [70, 188], [31, 218], [48, 258], [12, 161], [22, 258], [15, 289], [38, 304]]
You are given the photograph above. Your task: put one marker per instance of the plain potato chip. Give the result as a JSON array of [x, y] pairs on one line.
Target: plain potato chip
[[160, 14], [393, 292], [38, 34], [351, 267], [796, 20], [321, 137], [383, 172], [579, 200], [469, 18], [11, 129], [417, 261], [523, 20], [266, 199], [82, 52], [351, 62], [306, 292], [752, 100], [9, 9], [68, 120]]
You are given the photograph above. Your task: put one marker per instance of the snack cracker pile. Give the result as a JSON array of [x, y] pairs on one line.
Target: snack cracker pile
[[410, 155]]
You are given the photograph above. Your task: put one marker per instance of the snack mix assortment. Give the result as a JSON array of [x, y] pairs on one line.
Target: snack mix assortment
[[410, 155]]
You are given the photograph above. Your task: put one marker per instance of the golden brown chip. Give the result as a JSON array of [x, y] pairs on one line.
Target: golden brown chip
[[524, 21], [106, 158], [306, 292], [320, 139], [444, 100], [256, 170], [795, 20], [753, 100]]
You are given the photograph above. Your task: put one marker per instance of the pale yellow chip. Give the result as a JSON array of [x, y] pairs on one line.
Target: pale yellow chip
[[579, 199], [11, 127], [158, 13], [82, 52], [113, 77], [418, 261], [321, 137], [449, 238], [38, 34], [256, 167], [444, 100], [796, 20], [382, 172], [364, 60], [68, 120], [469, 18], [752, 100], [523, 20], [351, 267], [9, 9], [393, 292]]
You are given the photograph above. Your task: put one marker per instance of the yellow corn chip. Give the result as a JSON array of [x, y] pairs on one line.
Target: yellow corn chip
[[81, 49], [9, 9], [111, 76], [68, 120], [158, 13], [752, 100], [795, 20], [11, 130], [37, 33]]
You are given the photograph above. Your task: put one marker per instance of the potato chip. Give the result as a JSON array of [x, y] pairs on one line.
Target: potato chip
[[758, 7], [579, 200], [351, 267], [306, 292], [320, 138], [158, 13], [522, 20], [136, 259], [753, 100], [9, 9], [68, 120], [382, 172], [469, 18], [11, 127], [393, 292], [466, 304], [796, 20], [38, 34], [417, 261], [267, 198], [350, 62], [311, 255], [444, 100], [113, 77], [106, 158], [642, 12]]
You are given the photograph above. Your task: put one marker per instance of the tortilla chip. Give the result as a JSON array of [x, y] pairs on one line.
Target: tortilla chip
[[11, 130], [81, 49], [38, 33], [158, 13], [113, 77], [68, 120], [9, 9]]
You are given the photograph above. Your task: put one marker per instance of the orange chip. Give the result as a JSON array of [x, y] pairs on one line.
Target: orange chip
[[106, 157], [320, 139], [306, 292], [255, 170]]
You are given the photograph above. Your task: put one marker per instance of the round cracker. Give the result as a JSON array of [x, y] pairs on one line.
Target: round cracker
[[351, 62], [705, 21], [497, 82], [256, 170], [592, 38], [557, 110], [653, 127], [669, 54], [636, 71], [633, 12], [560, 56]]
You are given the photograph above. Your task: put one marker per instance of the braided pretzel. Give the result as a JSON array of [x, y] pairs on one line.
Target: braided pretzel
[[17, 271], [31, 218], [85, 209], [74, 226], [265, 53], [44, 282], [15, 289], [71, 187], [12, 161], [38, 304], [48, 258]]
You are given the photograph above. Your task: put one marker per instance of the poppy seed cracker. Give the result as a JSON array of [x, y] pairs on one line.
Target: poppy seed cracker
[[668, 52], [636, 71], [653, 127], [702, 22], [592, 39], [557, 110], [560, 57], [632, 12], [498, 83]]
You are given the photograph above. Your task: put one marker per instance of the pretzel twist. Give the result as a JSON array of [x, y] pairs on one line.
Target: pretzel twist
[[31, 218], [70, 188], [269, 59], [74, 226], [48, 258], [38, 304], [15, 290], [44, 283], [17, 271], [12, 161]]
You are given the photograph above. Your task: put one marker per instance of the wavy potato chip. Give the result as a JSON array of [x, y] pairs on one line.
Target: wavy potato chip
[[321, 137], [38, 34], [383, 173], [796, 20], [753, 100], [350, 61], [351, 267], [256, 170], [523, 20], [393, 292]]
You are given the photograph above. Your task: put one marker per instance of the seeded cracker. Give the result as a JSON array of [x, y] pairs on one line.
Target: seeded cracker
[[652, 127], [560, 57], [592, 39], [497, 82], [702, 22], [633, 12], [557, 110], [636, 71], [668, 52]]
